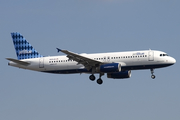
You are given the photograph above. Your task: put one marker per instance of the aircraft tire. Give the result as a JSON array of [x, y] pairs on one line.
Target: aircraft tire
[[153, 76], [99, 81], [92, 77]]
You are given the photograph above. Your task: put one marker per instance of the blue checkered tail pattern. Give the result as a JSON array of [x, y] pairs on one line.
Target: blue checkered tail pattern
[[24, 50]]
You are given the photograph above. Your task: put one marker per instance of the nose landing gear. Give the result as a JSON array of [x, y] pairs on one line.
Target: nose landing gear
[[152, 75]]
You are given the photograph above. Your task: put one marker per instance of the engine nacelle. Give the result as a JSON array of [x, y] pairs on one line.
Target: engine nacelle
[[110, 68], [120, 75]]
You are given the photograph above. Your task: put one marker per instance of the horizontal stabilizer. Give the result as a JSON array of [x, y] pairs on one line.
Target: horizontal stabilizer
[[18, 61]]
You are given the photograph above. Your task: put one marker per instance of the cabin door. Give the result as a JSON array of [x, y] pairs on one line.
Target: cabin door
[[41, 62], [151, 56]]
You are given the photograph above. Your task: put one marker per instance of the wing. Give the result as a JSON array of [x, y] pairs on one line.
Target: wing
[[87, 62]]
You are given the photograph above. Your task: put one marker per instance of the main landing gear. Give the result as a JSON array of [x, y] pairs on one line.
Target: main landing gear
[[152, 75], [92, 77], [99, 81]]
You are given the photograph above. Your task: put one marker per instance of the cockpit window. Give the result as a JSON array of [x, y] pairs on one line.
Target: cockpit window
[[163, 54]]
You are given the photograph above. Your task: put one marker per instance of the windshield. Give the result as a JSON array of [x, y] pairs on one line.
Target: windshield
[[164, 55]]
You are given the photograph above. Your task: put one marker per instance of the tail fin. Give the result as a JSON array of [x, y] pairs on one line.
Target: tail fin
[[24, 50]]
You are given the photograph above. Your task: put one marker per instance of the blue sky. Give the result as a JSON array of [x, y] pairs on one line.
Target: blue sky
[[90, 26]]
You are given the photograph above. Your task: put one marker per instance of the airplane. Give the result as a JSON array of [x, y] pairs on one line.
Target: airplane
[[117, 65]]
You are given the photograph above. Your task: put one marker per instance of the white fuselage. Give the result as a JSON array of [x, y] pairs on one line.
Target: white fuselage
[[133, 60]]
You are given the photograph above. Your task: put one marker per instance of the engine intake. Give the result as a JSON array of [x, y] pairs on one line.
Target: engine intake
[[110, 68], [120, 75]]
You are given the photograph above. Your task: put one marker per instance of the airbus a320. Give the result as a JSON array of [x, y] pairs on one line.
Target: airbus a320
[[117, 65]]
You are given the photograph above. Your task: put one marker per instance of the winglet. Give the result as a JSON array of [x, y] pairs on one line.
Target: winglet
[[58, 50]]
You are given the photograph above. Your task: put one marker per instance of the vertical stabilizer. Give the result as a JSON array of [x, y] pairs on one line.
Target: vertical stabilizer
[[24, 50]]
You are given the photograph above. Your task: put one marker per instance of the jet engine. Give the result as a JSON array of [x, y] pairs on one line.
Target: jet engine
[[120, 75], [110, 68]]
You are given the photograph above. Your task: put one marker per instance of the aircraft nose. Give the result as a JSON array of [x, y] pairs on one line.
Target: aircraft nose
[[173, 60]]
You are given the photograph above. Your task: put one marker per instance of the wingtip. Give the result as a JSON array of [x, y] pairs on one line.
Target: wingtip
[[58, 50]]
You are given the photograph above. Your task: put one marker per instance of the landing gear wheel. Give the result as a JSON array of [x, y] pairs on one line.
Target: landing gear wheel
[[153, 76], [92, 77], [99, 81]]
